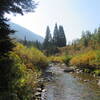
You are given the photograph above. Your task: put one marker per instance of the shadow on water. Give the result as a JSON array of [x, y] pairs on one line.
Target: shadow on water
[[65, 86]]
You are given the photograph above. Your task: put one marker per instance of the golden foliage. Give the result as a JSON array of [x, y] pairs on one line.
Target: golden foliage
[[31, 57], [57, 59], [27, 62], [90, 58]]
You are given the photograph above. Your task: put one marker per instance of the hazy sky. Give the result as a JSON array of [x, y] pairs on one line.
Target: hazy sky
[[74, 15]]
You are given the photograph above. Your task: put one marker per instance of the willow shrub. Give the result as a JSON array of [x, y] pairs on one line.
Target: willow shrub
[[56, 59], [66, 59], [60, 59], [23, 81], [24, 71], [89, 59], [32, 57]]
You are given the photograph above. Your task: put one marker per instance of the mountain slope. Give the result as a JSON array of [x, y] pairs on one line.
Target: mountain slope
[[22, 32]]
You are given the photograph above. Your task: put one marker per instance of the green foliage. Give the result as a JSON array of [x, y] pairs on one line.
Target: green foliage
[[98, 35], [61, 37], [17, 6], [86, 70], [97, 72], [51, 45], [35, 44], [24, 79], [66, 59], [48, 39], [55, 35], [26, 69], [7, 77], [47, 44]]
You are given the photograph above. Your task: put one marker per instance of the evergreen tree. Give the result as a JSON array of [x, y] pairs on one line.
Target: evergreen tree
[[25, 41], [56, 36], [84, 39], [38, 45], [98, 35], [61, 37], [48, 38], [6, 45], [47, 44]]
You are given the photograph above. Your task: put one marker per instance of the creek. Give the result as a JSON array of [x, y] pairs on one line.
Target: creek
[[67, 86]]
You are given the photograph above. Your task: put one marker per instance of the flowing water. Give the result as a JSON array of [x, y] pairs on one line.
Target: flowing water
[[65, 86]]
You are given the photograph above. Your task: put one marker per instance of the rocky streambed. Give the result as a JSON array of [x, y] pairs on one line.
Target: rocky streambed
[[62, 84]]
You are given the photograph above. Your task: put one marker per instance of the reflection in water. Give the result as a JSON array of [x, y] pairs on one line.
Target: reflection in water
[[66, 87]]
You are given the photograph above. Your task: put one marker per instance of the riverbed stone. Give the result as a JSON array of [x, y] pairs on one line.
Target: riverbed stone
[[44, 90], [39, 89], [99, 82], [38, 94]]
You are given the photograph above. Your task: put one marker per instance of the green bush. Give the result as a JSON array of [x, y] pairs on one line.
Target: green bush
[[97, 72], [66, 59]]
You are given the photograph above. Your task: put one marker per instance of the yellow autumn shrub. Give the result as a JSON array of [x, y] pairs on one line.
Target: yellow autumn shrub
[[58, 59], [90, 58], [31, 56], [24, 71]]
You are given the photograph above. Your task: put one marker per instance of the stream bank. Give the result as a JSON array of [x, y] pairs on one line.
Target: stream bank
[[60, 85]]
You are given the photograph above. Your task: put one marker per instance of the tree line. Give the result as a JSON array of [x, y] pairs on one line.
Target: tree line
[[52, 43], [89, 39]]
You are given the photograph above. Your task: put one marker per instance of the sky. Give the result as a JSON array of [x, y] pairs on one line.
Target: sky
[[74, 15]]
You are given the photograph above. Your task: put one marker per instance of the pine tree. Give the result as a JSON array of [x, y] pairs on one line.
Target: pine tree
[[98, 35], [84, 39], [61, 37], [6, 45], [56, 36], [38, 45], [48, 38], [25, 41], [47, 44]]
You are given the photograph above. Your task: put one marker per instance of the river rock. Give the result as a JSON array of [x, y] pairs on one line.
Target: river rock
[[86, 80], [51, 65], [69, 70], [94, 75], [81, 71], [44, 90], [38, 94], [99, 82], [39, 89], [77, 69]]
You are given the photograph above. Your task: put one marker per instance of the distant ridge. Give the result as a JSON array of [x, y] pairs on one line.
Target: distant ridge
[[22, 32]]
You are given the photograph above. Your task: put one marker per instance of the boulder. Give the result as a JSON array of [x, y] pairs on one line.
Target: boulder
[[69, 70]]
